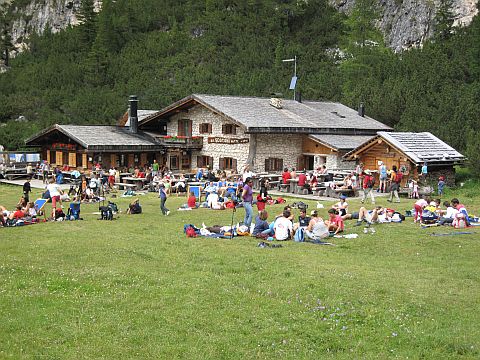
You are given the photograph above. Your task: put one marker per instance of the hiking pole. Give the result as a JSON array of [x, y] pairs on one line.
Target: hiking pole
[[234, 209]]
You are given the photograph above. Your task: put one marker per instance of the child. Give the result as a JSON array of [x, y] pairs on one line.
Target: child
[[419, 206], [441, 185], [163, 198], [415, 190]]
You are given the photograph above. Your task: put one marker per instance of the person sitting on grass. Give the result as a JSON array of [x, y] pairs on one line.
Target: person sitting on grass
[[316, 229], [213, 202], [461, 209], [303, 220], [342, 206], [283, 227], [134, 207], [335, 222], [447, 215], [17, 214], [262, 228]]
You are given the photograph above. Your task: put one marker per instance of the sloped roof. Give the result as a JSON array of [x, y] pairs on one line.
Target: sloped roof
[[141, 114], [341, 142], [418, 147], [257, 115], [96, 137]]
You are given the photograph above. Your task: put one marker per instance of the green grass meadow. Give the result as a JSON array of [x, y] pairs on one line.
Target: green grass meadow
[[136, 288]]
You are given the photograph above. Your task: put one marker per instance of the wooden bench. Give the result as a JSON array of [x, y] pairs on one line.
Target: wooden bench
[[284, 187], [319, 190], [335, 193], [125, 186], [274, 184]]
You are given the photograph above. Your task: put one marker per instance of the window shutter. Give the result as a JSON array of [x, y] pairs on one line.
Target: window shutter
[[234, 130], [300, 162], [267, 163], [210, 161], [280, 165], [223, 128], [199, 161], [209, 128], [234, 165], [180, 128], [221, 164], [189, 128]]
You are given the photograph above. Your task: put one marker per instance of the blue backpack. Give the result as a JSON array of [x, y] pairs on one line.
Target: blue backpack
[[299, 235]]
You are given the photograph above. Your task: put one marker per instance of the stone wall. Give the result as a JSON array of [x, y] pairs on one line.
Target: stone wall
[[200, 115], [283, 146], [434, 172], [335, 162]]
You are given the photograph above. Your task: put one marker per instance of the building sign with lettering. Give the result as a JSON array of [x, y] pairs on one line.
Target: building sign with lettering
[[223, 140], [62, 146]]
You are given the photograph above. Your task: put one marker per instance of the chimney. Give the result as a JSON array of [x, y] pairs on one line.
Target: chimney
[[132, 114], [361, 110], [299, 97]]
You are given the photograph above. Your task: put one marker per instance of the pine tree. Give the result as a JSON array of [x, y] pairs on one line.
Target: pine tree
[[5, 36], [443, 22], [87, 17]]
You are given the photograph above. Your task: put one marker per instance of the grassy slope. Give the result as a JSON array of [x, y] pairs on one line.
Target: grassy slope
[[137, 288]]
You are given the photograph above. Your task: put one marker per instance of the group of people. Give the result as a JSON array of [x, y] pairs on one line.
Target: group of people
[[430, 213]]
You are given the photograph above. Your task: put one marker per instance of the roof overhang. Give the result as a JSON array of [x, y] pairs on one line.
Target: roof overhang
[[33, 140]]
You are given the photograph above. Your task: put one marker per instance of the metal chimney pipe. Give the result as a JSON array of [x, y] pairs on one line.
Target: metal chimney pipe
[[133, 114], [361, 110]]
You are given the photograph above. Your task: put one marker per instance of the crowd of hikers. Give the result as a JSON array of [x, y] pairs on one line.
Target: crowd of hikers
[[220, 194]]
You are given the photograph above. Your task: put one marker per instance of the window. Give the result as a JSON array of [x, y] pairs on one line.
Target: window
[[185, 162], [205, 128], [184, 127], [79, 160], [228, 164], [205, 161], [273, 164], [53, 157], [174, 163], [229, 129]]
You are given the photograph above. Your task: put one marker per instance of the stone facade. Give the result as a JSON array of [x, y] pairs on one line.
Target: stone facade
[[201, 115], [336, 162], [283, 146]]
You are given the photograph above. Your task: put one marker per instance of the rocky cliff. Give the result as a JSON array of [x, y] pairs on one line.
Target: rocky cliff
[[405, 23], [408, 23]]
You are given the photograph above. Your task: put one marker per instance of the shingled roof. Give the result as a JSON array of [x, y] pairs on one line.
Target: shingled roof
[[418, 147], [257, 115], [341, 142], [94, 137]]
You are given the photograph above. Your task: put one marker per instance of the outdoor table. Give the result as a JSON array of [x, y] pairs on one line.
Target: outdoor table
[[137, 181], [293, 185]]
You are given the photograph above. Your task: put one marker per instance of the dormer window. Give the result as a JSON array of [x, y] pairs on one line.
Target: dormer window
[[229, 129]]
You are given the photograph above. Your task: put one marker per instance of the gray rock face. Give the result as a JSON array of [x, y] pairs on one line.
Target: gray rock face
[[408, 23]]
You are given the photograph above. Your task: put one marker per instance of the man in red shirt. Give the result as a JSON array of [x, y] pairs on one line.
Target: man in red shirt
[[302, 181], [368, 183], [286, 176]]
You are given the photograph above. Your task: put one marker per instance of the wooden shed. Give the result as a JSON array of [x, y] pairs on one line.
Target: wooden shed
[[408, 151]]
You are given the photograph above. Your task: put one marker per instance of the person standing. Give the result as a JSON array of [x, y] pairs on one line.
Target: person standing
[[359, 172], [155, 167], [395, 179], [441, 185], [368, 183], [247, 197], [263, 196], [162, 193], [26, 190], [382, 170], [55, 192], [424, 172]]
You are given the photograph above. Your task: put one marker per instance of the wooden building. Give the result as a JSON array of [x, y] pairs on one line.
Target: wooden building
[[408, 151]]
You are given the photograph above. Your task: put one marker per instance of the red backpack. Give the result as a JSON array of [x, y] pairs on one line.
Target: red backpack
[[398, 177]]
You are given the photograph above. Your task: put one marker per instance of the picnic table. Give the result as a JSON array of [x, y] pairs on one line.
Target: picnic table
[[15, 173], [139, 182]]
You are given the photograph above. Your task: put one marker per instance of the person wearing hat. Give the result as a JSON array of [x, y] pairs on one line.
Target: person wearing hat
[[341, 206], [316, 229], [162, 194], [368, 182]]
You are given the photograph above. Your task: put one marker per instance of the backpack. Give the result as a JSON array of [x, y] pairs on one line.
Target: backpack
[[299, 235], [113, 206], [459, 222], [371, 182], [190, 232], [398, 177]]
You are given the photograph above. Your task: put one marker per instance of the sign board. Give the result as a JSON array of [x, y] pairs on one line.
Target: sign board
[[223, 140]]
